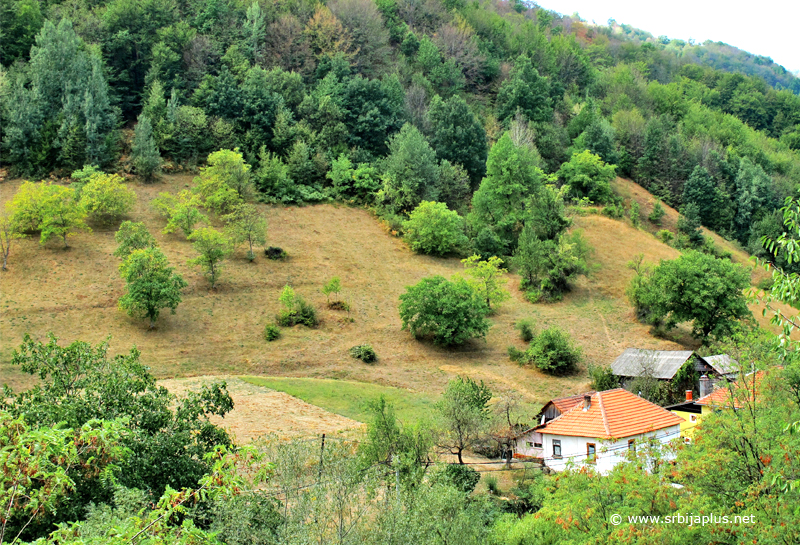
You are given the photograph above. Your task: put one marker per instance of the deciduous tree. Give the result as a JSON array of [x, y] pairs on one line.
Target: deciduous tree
[[486, 276], [151, 284], [132, 236], [213, 248], [433, 229], [464, 415], [246, 225]]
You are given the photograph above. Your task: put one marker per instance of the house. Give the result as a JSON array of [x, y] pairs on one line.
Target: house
[[691, 414], [531, 447], [693, 411], [725, 366], [599, 430], [659, 364]]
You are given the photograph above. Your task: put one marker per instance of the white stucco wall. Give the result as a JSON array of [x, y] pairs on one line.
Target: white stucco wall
[[608, 453]]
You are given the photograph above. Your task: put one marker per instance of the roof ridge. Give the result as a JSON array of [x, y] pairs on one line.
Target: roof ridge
[[603, 413]]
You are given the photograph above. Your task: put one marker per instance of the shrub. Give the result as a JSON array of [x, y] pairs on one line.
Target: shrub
[[272, 332], [491, 485], [666, 236], [450, 312], [364, 352], [462, 477], [657, 214], [275, 253], [588, 176], [525, 328], [106, 198], [434, 229], [603, 378], [551, 351], [634, 214], [613, 211], [295, 310]]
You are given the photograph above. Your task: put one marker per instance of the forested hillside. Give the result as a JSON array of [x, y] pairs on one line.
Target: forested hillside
[[308, 91]]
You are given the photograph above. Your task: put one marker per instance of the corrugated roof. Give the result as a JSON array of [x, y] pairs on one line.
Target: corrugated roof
[[722, 397], [723, 364], [612, 414], [661, 364]]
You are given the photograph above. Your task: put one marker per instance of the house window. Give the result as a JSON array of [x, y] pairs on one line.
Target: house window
[[632, 445], [529, 444], [556, 448], [537, 445], [591, 453]]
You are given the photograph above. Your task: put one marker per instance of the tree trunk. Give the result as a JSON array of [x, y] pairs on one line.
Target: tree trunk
[[152, 323], [460, 461]]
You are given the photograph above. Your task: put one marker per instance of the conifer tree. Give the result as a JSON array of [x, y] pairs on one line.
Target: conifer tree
[[145, 156]]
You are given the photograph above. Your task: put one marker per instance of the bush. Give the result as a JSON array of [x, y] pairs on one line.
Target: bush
[[106, 198], [272, 332], [275, 253], [666, 236], [295, 310], [603, 378], [551, 351], [450, 312], [525, 328], [434, 229], [462, 477], [364, 352], [588, 176], [613, 211], [634, 214], [657, 214], [491, 485]]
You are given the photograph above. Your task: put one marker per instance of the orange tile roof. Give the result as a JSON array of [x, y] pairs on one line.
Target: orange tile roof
[[721, 397], [563, 404], [612, 414]]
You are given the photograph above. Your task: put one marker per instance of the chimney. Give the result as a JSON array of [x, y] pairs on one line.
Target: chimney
[[587, 402], [705, 385], [688, 395]]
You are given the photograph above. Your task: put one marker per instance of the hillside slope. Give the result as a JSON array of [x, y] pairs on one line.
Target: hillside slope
[[73, 293]]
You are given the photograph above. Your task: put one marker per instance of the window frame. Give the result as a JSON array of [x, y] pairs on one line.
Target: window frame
[[632, 445], [591, 453], [557, 443]]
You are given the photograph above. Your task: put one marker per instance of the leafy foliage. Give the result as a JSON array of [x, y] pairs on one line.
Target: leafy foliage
[[694, 287], [450, 311], [181, 211], [551, 351], [485, 277], [364, 352], [214, 247], [245, 224], [588, 176], [106, 198], [132, 236], [151, 284], [433, 229], [463, 414], [296, 310]]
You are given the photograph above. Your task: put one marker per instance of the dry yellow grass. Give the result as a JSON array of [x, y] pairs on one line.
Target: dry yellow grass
[[74, 293]]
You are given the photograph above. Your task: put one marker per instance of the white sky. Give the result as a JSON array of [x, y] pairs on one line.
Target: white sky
[[767, 27]]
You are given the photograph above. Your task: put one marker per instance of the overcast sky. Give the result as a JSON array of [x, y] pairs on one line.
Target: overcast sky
[[767, 27]]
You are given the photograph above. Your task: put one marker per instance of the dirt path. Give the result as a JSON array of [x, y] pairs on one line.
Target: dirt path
[[260, 411]]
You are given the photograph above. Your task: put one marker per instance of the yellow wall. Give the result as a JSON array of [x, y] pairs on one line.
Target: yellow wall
[[687, 424]]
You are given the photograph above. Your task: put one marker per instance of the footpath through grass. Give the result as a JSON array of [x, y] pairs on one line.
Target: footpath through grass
[[348, 398]]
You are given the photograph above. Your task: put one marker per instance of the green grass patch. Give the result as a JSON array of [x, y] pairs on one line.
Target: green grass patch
[[348, 398]]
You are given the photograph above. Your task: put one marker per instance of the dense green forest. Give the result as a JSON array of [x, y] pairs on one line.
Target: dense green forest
[[391, 103]]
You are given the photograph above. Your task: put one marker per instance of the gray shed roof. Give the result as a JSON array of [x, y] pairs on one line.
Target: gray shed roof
[[661, 364], [723, 364]]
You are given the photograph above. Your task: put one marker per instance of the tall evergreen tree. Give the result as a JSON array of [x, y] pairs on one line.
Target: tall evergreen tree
[[412, 174], [144, 154]]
